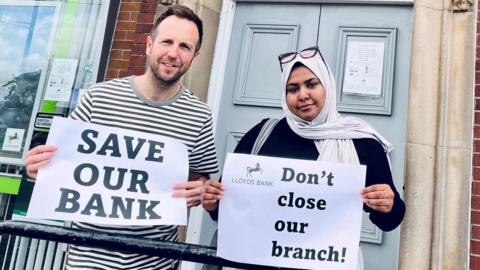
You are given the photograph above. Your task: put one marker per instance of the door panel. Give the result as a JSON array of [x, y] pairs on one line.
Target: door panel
[[252, 81], [252, 85], [333, 18]]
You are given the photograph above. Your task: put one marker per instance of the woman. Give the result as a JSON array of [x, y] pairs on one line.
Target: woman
[[312, 129]]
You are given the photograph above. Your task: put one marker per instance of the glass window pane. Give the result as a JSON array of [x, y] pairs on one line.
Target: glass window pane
[[50, 51]]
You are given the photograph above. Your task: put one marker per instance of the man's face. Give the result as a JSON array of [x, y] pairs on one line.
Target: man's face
[[171, 53]]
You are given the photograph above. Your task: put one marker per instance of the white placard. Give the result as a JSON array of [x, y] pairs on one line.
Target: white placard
[[109, 175], [60, 79], [364, 68], [13, 139], [290, 213]]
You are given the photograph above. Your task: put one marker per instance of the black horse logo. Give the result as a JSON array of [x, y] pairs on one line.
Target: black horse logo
[[13, 137], [257, 168]]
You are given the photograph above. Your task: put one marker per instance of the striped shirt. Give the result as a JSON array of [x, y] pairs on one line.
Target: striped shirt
[[118, 103]]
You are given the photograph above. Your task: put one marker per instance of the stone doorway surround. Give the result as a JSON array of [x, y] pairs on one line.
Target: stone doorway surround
[[435, 233]]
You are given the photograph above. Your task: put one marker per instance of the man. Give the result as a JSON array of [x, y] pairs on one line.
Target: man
[[154, 102]]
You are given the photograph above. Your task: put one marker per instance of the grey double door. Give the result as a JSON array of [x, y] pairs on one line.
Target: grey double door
[[252, 82]]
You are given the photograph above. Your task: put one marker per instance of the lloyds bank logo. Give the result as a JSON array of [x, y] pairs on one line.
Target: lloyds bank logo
[[256, 169]]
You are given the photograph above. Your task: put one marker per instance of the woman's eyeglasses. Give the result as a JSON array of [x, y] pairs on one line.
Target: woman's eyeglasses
[[305, 53]]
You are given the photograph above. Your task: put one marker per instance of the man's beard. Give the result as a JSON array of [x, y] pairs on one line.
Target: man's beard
[[161, 79]]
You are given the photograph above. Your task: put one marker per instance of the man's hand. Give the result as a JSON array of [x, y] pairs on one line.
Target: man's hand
[[212, 192], [38, 157], [190, 190]]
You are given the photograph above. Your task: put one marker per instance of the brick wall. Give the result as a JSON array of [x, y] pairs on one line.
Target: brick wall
[[134, 22], [475, 203]]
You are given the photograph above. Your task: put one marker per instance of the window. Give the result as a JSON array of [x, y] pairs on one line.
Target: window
[[51, 50]]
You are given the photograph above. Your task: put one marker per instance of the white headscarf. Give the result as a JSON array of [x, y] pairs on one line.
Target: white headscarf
[[331, 132]]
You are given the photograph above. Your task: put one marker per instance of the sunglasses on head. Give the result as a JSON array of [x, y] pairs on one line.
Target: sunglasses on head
[[305, 54]]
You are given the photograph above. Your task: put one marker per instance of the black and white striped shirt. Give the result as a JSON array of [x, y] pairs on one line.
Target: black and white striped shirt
[[118, 103]]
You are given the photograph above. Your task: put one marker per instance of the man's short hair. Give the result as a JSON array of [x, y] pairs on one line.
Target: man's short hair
[[182, 12]]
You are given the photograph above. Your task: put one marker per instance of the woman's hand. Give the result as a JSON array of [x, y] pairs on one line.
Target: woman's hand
[[38, 157], [191, 190], [212, 191], [379, 197]]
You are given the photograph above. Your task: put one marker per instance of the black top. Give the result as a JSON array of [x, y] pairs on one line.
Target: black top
[[283, 142]]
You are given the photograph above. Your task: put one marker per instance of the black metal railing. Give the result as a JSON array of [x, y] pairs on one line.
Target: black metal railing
[[166, 249]]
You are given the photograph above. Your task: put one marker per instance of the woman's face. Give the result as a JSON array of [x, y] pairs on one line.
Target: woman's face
[[305, 93]]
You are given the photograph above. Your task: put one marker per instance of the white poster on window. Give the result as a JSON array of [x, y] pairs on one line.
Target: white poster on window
[[61, 79], [364, 68], [109, 175], [290, 213], [13, 139]]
